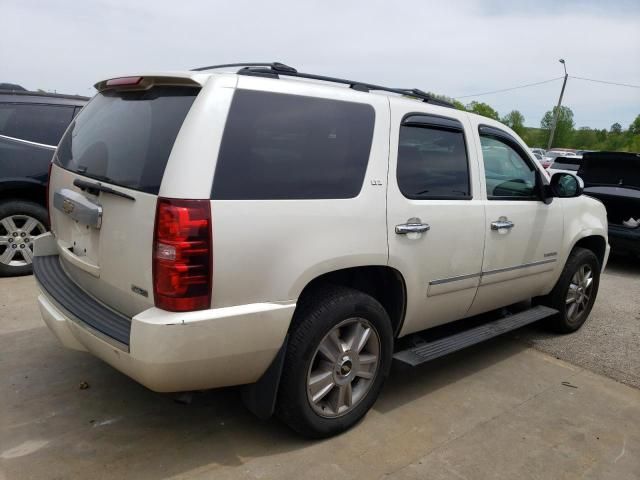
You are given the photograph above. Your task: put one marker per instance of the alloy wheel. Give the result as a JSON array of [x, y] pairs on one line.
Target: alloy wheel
[[343, 368], [16, 239], [579, 293]]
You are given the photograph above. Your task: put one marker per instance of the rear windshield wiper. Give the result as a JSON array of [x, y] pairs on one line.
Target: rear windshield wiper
[[97, 186]]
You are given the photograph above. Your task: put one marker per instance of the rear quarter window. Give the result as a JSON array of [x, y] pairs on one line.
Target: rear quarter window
[[281, 146]]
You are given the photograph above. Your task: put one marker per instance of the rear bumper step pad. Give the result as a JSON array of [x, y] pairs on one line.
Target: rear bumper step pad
[[53, 279], [430, 351]]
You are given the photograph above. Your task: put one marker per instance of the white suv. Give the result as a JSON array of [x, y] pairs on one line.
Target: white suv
[[260, 227]]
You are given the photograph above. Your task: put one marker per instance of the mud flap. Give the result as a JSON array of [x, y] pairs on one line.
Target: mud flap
[[260, 397]]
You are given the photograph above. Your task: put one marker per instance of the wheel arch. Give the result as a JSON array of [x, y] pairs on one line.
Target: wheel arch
[[384, 283], [594, 242], [23, 189]]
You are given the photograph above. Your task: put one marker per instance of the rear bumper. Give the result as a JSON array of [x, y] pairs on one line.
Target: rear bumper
[[171, 352]]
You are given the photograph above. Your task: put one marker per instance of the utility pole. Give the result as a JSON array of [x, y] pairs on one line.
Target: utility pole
[[555, 117]]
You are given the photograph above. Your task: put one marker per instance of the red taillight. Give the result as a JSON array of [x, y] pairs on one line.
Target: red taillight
[[46, 196], [182, 255], [124, 81]]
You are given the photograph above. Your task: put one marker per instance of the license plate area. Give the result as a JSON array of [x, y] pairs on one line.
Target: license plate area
[[79, 225]]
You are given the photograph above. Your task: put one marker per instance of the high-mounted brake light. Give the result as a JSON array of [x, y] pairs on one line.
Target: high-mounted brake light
[[182, 255], [124, 81]]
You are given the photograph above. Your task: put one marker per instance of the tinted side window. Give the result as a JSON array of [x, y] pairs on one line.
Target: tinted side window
[[507, 174], [36, 123], [279, 146], [432, 163]]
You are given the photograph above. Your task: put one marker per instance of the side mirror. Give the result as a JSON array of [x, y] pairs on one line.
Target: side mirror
[[566, 185]]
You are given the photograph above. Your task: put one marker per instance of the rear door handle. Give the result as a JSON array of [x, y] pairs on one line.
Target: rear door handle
[[413, 225], [500, 224]]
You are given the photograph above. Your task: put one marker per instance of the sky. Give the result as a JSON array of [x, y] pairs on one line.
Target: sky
[[455, 48]]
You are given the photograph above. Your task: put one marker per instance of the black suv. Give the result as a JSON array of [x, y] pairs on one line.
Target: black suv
[[614, 179], [31, 125]]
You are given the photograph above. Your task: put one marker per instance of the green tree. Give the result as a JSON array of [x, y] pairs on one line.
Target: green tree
[[585, 138], [634, 128], [564, 127], [515, 120], [483, 109], [616, 128], [460, 106]]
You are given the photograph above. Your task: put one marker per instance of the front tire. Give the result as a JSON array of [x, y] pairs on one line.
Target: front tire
[[575, 292], [337, 359]]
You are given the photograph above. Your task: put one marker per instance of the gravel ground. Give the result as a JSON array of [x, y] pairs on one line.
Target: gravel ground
[[609, 343]]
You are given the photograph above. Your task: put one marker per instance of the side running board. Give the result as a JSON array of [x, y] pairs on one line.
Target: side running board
[[429, 351]]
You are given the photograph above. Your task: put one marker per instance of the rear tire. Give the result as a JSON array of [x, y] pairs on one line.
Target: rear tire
[[337, 359], [575, 292], [20, 222]]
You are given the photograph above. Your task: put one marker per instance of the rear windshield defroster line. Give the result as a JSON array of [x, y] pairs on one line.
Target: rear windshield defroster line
[[125, 138]]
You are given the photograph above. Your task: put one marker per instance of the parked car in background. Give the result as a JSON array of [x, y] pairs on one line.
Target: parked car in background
[[551, 155], [569, 164], [31, 125], [255, 228], [538, 151], [538, 158], [614, 179], [582, 152]]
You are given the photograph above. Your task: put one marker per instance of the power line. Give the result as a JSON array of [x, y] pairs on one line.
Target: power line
[[548, 81], [604, 81], [511, 88]]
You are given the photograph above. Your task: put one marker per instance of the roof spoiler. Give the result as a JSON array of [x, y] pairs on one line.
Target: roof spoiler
[[144, 82]]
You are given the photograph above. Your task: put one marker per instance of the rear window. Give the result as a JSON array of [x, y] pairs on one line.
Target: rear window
[[125, 138], [279, 146], [35, 122]]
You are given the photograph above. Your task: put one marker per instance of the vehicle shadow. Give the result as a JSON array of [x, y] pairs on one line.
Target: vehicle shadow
[[406, 384]]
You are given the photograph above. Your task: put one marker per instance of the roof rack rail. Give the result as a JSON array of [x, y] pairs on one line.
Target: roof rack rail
[[273, 65], [416, 92], [275, 69]]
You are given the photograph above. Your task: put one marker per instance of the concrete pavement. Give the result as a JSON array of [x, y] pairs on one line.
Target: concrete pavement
[[498, 410], [609, 342]]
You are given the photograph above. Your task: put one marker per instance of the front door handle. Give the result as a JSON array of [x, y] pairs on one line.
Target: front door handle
[[500, 224], [413, 225]]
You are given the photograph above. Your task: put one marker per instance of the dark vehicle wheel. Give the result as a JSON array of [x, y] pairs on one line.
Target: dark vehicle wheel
[[337, 359], [575, 293], [20, 223]]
